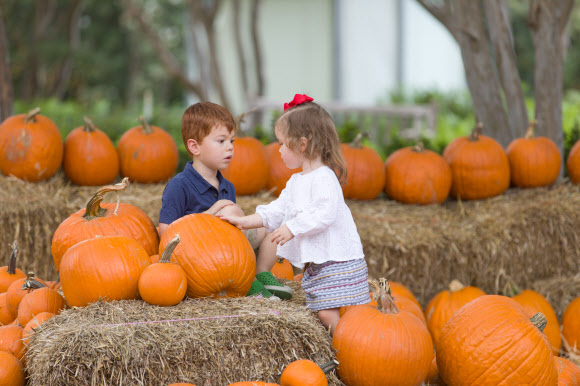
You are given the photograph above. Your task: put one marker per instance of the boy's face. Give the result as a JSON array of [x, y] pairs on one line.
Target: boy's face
[[216, 150]]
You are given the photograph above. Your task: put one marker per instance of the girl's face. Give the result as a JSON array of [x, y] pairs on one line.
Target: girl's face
[[292, 159]]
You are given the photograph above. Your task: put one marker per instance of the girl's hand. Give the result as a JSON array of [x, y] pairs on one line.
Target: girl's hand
[[236, 221], [282, 235]]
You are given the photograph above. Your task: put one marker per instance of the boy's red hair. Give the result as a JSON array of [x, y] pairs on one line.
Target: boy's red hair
[[200, 118]]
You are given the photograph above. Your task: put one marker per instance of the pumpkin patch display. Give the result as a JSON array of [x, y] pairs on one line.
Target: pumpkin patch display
[[282, 269], [31, 147], [365, 177], [573, 163], [479, 166], [279, 173], [147, 154], [415, 175], [217, 258], [534, 161], [571, 327], [106, 267], [107, 219], [90, 158], [9, 273], [492, 340], [249, 169]]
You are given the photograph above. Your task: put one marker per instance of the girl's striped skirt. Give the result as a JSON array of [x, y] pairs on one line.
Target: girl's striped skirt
[[336, 284]]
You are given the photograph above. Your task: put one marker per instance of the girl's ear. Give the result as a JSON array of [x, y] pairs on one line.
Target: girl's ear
[[302, 143], [193, 146]]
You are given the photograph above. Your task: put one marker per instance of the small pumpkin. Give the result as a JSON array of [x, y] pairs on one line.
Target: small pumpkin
[[5, 316], [18, 289], [31, 147], [573, 163], [304, 372], [365, 178], [255, 383], [90, 158], [164, 283], [298, 277], [147, 154], [9, 273], [42, 300], [568, 372], [11, 340], [399, 289], [571, 327], [282, 269], [11, 370], [279, 173], [33, 324], [249, 169]]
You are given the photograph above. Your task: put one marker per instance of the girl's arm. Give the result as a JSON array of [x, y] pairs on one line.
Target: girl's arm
[[244, 222]]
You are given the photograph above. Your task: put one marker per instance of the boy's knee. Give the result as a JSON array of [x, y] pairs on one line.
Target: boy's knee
[[231, 210]]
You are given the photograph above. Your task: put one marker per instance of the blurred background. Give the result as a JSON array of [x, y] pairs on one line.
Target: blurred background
[[388, 66]]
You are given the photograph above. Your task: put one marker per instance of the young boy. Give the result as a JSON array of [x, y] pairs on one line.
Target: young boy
[[208, 131]]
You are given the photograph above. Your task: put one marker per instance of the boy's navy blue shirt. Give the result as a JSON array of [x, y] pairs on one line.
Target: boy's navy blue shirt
[[188, 192]]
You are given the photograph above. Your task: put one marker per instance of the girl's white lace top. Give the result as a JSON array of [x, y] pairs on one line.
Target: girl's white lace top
[[312, 207]]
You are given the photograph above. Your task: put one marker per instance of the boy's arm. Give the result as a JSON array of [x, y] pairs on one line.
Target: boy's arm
[[162, 228], [219, 205], [244, 222]]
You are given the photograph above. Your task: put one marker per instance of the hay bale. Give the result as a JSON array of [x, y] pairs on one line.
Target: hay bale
[[202, 341]]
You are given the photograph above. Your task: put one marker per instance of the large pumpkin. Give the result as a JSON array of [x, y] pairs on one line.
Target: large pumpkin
[[30, 147], [279, 172], [573, 163], [571, 327], [443, 305], [11, 370], [382, 346], [90, 158], [106, 220], [9, 273], [216, 256], [479, 166], [534, 161], [11, 340], [491, 340], [248, 170], [365, 177], [42, 300], [147, 154], [415, 175], [106, 268]]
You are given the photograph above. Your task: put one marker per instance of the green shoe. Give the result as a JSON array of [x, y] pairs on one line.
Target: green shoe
[[257, 290], [271, 284]]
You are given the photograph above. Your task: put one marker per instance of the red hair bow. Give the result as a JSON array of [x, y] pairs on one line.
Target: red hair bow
[[298, 100]]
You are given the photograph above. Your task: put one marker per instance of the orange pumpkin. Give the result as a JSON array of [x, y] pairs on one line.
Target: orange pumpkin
[[534, 161], [395, 338], [11, 340], [55, 285], [90, 158], [492, 340], [443, 305], [433, 374], [365, 177], [282, 269], [479, 166], [415, 175], [106, 267], [568, 372], [30, 147], [42, 300], [304, 372], [398, 289], [164, 283], [298, 277], [33, 324], [11, 370], [279, 173], [5, 316], [105, 220], [147, 154], [573, 163], [255, 383], [9, 273], [18, 289], [216, 256], [249, 169], [571, 327], [181, 384]]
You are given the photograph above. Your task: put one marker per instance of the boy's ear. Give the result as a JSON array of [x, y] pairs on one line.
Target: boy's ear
[[193, 146]]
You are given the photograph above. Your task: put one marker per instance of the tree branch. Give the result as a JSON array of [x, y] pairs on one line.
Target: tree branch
[[257, 47]]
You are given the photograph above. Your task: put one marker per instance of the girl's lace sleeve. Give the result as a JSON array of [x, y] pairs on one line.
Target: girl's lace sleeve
[[273, 213]]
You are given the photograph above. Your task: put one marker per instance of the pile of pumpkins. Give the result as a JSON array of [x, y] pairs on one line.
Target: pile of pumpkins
[[32, 149]]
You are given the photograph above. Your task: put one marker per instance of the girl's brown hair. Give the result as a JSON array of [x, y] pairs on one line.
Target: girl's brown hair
[[200, 118], [311, 121]]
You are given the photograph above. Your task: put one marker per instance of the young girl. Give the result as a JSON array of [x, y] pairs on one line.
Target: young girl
[[310, 221]]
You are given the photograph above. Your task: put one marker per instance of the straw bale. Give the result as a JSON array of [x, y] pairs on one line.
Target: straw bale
[[202, 341]]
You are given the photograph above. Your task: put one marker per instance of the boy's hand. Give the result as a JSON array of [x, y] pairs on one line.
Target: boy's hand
[[219, 205], [282, 235]]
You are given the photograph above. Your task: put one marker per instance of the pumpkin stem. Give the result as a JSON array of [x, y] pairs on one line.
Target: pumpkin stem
[[455, 285], [383, 297], [31, 115], [12, 261], [476, 132], [89, 125], [31, 283], [419, 147], [168, 251], [94, 209], [328, 367], [539, 320], [357, 141], [147, 129], [531, 129], [280, 260]]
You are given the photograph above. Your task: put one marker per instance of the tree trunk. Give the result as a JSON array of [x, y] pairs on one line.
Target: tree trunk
[[6, 91], [257, 47], [239, 47]]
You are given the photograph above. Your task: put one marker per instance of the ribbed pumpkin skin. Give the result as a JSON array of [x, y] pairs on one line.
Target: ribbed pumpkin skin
[[533, 303], [216, 256], [303, 372], [279, 173], [31, 151], [402, 303], [534, 162], [11, 370], [491, 341], [446, 303], [147, 157], [376, 349], [571, 325], [6, 278], [479, 168], [282, 269], [5, 316], [163, 284], [398, 289], [11, 340], [129, 221], [417, 177], [573, 163], [568, 372], [249, 168], [15, 294], [365, 177], [105, 267], [41, 300]]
